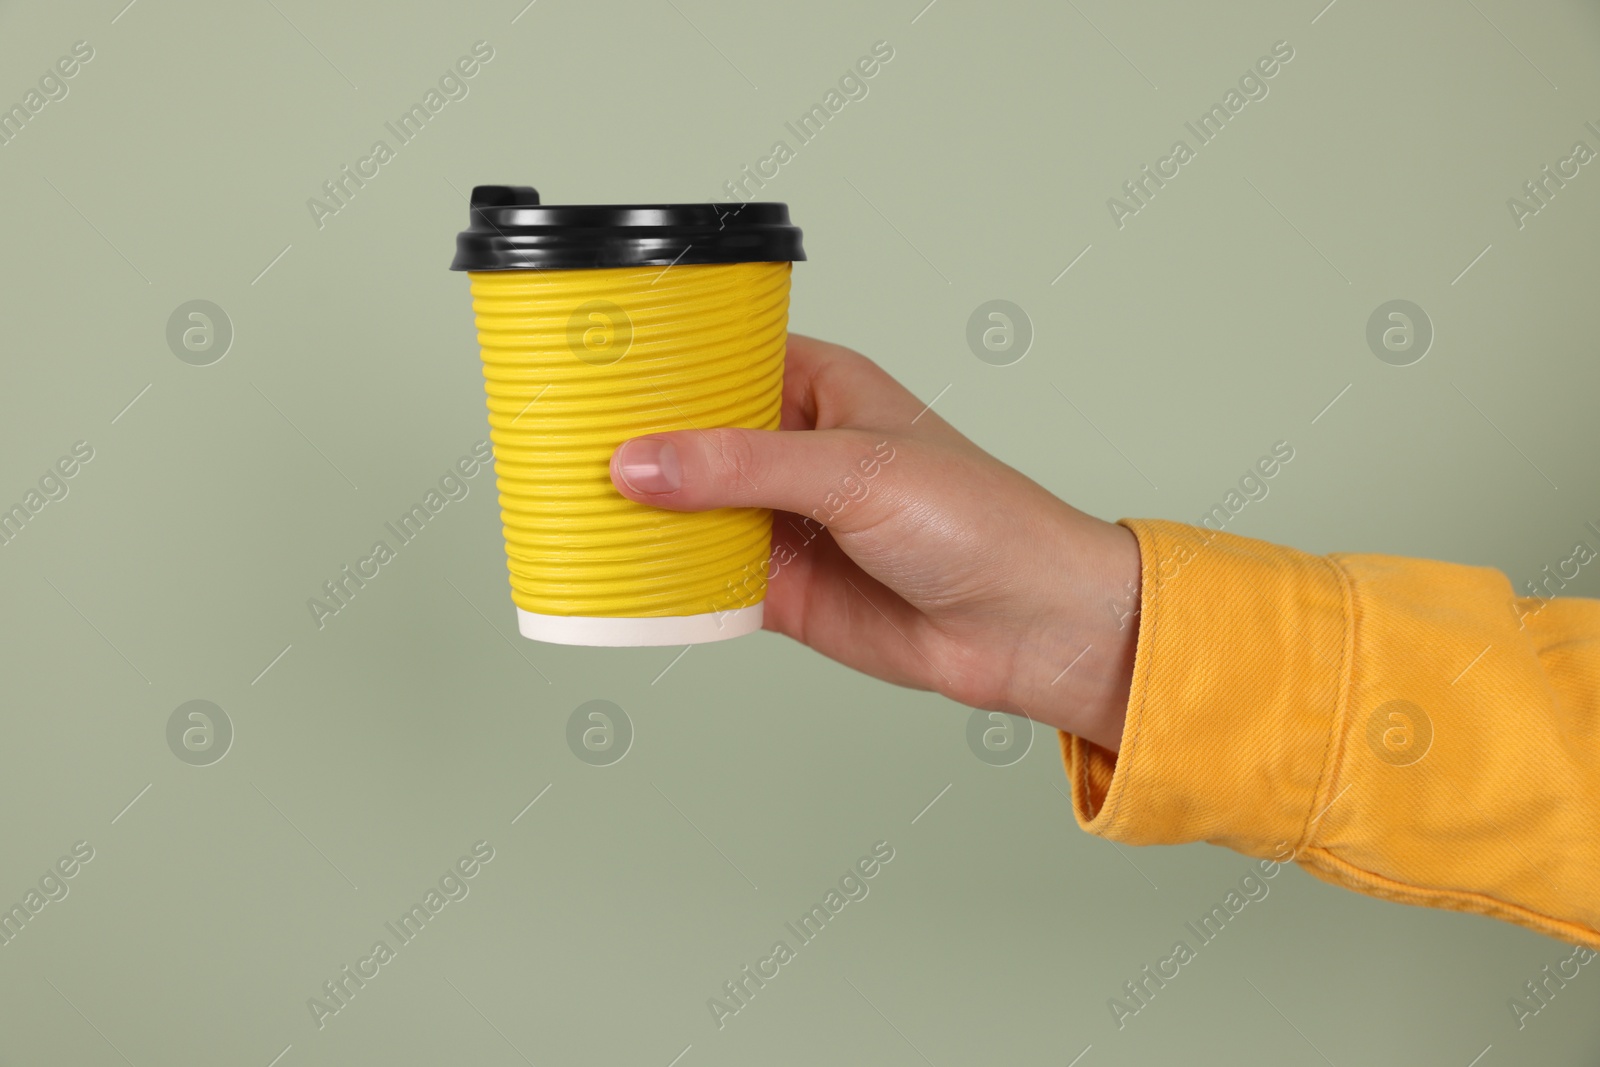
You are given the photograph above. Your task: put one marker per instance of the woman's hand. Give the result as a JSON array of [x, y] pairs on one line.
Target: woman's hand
[[902, 549]]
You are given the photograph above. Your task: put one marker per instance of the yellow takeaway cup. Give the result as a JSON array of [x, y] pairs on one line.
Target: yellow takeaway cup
[[597, 323]]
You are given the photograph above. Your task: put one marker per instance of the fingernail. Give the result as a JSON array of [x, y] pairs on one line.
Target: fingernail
[[650, 465]]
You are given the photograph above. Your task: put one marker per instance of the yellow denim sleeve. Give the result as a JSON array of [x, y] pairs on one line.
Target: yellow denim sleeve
[[1412, 728]]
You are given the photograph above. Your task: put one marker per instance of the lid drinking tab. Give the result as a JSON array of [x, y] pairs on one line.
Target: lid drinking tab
[[503, 195]]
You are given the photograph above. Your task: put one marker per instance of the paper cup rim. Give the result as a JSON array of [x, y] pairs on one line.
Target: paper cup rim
[[616, 632]]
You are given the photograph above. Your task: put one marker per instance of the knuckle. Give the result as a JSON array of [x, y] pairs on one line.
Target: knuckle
[[878, 450], [734, 458], [860, 367]]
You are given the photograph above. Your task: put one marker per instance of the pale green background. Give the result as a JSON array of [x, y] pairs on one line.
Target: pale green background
[[1214, 324]]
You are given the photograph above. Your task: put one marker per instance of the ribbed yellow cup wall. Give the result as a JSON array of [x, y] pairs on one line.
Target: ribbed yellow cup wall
[[577, 361]]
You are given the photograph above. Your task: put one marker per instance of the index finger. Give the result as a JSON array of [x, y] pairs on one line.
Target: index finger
[[827, 386]]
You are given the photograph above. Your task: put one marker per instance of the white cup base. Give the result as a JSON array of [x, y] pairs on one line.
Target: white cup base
[[657, 630]]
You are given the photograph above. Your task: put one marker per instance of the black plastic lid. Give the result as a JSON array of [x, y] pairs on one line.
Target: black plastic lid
[[511, 230]]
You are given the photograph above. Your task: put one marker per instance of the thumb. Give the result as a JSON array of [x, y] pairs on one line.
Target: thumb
[[802, 471]]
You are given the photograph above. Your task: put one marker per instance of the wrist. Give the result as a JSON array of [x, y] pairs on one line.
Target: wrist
[[1076, 670]]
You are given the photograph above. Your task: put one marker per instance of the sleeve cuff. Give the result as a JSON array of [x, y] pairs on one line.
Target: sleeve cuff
[[1239, 684]]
